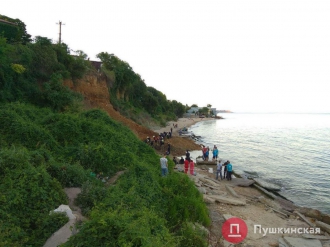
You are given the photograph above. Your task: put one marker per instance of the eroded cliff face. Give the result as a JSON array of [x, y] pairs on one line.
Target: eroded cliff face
[[95, 89]]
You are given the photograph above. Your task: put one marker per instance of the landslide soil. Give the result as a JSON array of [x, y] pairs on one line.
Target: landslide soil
[[95, 90]]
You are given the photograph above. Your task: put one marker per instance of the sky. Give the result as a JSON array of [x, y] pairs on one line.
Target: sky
[[238, 55]]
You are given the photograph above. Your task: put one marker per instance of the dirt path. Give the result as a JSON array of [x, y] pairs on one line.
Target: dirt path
[[65, 232], [113, 179], [69, 229]]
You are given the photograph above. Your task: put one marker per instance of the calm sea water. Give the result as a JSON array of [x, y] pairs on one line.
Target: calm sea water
[[291, 150]]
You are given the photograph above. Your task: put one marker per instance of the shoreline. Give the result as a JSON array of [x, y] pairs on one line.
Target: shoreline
[[226, 199], [258, 207], [276, 193], [181, 123]]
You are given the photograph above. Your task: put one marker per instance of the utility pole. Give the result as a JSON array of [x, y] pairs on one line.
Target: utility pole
[[60, 32]]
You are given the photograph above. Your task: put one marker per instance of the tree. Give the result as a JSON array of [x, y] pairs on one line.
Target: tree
[[209, 105], [45, 60], [178, 108], [9, 31], [194, 105], [124, 74], [204, 111], [21, 36]]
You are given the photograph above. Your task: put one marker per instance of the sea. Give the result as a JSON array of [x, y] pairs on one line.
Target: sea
[[290, 150]]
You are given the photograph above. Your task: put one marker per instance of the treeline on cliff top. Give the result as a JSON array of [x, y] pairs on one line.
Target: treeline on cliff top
[[131, 96], [47, 143]]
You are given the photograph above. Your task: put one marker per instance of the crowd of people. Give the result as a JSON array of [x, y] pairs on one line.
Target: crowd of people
[[189, 165], [224, 169], [227, 166], [206, 152], [158, 142], [227, 170]]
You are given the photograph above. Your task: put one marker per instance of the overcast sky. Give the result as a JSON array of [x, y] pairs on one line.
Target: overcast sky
[[244, 56]]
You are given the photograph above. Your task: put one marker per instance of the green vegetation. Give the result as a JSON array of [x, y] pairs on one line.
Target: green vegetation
[[47, 143], [131, 96], [28, 193], [16, 33], [11, 30]]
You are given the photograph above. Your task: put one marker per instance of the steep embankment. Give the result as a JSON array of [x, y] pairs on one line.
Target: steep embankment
[[95, 90]]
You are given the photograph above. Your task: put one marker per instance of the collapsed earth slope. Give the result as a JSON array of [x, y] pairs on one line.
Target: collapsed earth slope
[[95, 90]]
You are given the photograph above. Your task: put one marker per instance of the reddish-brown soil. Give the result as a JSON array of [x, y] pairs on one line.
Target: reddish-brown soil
[[96, 95]]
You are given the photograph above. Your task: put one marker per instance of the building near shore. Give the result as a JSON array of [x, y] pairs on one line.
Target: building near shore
[[194, 110]]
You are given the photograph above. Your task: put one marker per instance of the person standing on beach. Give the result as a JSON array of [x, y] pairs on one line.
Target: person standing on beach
[[164, 165], [219, 170], [188, 155], [168, 148], [204, 149], [207, 153], [162, 142], [229, 170], [186, 165], [225, 169], [215, 153], [191, 167]]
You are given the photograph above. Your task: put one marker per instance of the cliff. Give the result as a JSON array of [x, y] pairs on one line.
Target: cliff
[[95, 90]]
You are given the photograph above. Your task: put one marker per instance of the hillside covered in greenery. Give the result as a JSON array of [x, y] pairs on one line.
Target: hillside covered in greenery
[[48, 142], [130, 93]]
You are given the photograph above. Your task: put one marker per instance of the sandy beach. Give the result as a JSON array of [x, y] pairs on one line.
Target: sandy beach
[[181, 123]]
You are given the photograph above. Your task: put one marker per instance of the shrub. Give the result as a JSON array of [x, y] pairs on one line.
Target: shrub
[[28, 194], [17, 130], [57, 96], [91, 193], [192, 236], [139, 227], [50, 224], [69, 175], [172, 200], [183, 201]]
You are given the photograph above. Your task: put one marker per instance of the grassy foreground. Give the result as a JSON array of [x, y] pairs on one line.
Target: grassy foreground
[[43, 151]]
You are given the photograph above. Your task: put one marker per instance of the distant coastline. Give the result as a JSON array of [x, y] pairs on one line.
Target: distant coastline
[[224, 111]]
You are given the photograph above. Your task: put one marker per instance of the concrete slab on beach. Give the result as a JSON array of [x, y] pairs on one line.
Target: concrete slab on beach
[[267, 185], [227, 200], [242, 182]]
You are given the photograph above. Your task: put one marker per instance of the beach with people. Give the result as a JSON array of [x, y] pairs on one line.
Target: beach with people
[[179, 124], [262, 210]]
